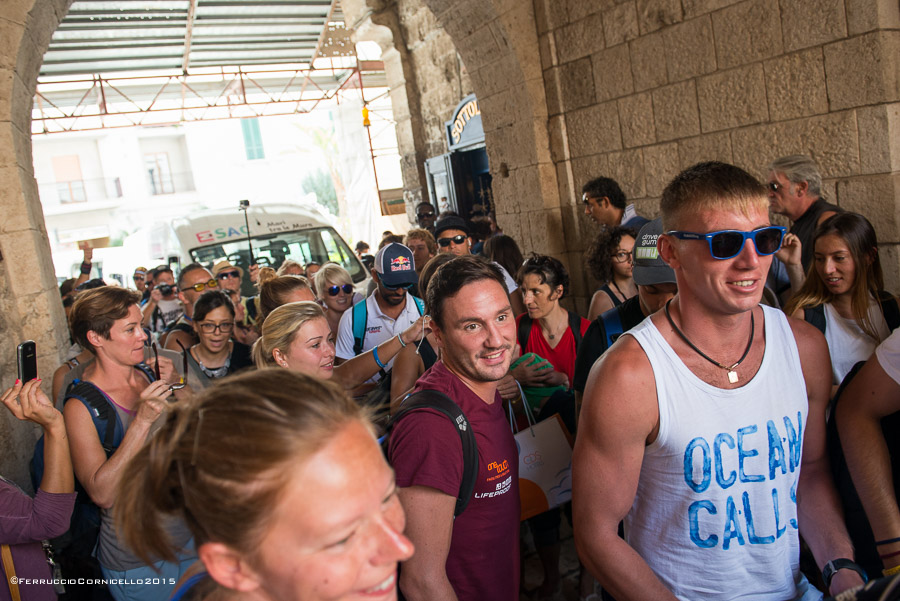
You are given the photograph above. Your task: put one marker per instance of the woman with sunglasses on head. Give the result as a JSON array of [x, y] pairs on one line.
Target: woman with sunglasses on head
[[217, 354], [297, 336], [308, 512], [334, 287], [609, 259], [107, 322], [843, 294]]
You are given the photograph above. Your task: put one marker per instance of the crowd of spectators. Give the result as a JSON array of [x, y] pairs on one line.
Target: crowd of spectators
[[227, 443]]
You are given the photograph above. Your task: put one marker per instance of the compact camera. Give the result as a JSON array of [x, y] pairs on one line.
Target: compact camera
[[165, 289]]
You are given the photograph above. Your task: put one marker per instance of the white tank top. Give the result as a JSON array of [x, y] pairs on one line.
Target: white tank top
[[848, 343], [715, 515]]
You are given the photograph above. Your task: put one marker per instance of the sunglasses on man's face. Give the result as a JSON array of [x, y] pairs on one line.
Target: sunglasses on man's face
[[773, 186], [200, 286], [400, 287], [458, 239], [727, 244], [335, 290], [228, 274], [427, 215]]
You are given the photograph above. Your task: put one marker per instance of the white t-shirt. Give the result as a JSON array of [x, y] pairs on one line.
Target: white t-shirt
[[848, 343], [888, 355], [379, 328]]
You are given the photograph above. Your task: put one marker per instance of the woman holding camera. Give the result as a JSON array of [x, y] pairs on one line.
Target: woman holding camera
[[25, 522], [108, 322]]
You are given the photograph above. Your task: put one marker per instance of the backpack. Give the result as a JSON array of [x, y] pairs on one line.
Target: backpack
[[612, 325], [361, 318], [524, 330], [84, 526], [432, 399], [816, 315]]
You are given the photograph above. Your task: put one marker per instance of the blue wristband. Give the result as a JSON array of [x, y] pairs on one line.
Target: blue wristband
[[377, 360]]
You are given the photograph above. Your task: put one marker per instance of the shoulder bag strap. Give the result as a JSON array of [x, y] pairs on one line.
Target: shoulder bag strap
[[575, 325], [523, 332], [10, 569]]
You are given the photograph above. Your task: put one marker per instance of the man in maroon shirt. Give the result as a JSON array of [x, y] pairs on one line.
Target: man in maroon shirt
[[475, 556]]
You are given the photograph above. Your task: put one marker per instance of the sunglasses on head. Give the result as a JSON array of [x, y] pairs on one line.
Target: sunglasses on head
[[199, 286], [457, 239], [727, 244], [335, 290], [228, 274]]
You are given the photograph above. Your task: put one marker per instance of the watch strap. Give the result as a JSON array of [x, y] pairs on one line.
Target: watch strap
[[841, 564]]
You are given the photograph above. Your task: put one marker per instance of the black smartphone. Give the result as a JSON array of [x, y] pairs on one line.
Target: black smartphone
[[27, 359]]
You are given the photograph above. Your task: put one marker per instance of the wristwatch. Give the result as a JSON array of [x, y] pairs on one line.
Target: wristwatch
[[841, 564]]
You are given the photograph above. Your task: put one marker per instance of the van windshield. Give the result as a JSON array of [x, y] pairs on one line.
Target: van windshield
[[321, 245]]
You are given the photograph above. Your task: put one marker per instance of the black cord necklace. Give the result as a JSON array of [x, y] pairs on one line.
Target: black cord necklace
[[732, 374]]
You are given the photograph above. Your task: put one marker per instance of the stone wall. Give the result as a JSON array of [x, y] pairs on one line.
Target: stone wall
[[30, 306], [639, 89]]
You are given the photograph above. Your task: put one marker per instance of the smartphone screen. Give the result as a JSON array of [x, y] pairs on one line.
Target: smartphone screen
[[27, 359]]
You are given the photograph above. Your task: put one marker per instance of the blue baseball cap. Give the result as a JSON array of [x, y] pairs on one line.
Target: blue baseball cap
[[395, 265]]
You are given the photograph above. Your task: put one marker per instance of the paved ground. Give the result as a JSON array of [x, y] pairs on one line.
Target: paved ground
[[568, 566]]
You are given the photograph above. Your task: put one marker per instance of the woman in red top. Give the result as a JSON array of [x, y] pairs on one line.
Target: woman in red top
[[544, 281]]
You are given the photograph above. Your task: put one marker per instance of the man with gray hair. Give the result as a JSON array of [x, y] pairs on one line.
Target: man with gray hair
[[795, 190]]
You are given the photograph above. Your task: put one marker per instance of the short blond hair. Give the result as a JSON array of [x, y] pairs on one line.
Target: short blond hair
[[711, 185], [333, 274]]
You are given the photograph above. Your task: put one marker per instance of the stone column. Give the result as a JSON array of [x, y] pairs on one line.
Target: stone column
[[30, 306]]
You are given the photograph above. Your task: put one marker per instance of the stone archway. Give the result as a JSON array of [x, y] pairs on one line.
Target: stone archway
[[30, 307]]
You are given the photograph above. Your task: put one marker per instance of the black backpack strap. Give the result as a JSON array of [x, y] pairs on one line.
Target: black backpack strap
[[146, 370], [87, 392], [432, 399], [524, 331], [575, 325], [890, 309], [815, 316]]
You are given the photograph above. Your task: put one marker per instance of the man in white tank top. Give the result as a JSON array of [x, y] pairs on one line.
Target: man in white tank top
[[704, 429]]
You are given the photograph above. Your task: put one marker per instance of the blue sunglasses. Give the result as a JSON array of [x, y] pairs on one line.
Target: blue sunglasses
[[727, 244]]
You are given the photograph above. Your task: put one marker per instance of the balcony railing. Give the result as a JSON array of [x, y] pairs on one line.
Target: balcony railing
[[82, 190]]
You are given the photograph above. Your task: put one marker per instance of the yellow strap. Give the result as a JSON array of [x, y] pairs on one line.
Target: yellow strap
[[10, 569], [892, 571]]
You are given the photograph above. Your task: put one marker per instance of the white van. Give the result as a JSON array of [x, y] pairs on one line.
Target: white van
[[277, 232]]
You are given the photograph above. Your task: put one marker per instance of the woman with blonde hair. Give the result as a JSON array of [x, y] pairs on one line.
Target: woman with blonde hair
[[308, 512], [843, 294], [297, 336], [334, 287]]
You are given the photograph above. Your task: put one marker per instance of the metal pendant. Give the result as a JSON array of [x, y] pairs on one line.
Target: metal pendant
[[732, 376]]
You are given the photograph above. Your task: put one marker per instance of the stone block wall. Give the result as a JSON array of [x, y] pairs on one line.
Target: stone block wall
[[30, 307], [639, 89]]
